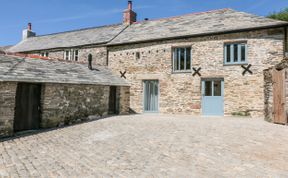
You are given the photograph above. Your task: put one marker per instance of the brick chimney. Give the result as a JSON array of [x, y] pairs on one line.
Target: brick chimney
[[27, 33], [129, 16]]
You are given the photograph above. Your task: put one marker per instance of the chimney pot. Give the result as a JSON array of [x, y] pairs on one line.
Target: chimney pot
[[30, 26], [129, 16], [129, 5]]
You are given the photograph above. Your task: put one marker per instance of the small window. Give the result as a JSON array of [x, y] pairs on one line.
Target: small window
[[67, 55], [137, 55], [182, 59], [76, 55], [235, 53], [44, 54]]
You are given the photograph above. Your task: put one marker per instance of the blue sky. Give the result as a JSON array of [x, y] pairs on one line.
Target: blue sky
[[50, 16]]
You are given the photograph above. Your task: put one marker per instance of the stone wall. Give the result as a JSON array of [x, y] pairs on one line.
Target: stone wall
[[123, 94], [7, 105], [181, 92], [63, 103], [99, 54]]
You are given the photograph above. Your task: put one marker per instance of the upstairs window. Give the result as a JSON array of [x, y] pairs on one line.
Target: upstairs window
[[45, 54], [75, 55], [235, 53], [67, 55], [182, 59], [71, 55]]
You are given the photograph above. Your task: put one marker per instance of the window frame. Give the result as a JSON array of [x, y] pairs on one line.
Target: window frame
[[74, 55], [137, 55], [232, 49], [174, 48], [44, 54], [71, 55]]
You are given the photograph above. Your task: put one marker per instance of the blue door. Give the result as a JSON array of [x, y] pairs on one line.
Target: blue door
[[151, 94], [213, 97]]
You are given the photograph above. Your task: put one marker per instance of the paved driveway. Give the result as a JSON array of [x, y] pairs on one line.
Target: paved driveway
[[151, 146]]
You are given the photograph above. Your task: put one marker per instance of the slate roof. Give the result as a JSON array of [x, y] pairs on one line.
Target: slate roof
[[4, 48], [223, 20], [205, 23], [88, 36], [13, 68]]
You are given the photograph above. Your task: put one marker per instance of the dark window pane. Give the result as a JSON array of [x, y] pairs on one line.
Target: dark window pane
[[208, 88], [137, 55], [188, 58], [243, 53], [217, 88], [182, 59], [228, 53], [235, 47]]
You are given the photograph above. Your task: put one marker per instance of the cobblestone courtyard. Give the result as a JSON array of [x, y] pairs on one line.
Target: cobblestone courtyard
[[151, 146]]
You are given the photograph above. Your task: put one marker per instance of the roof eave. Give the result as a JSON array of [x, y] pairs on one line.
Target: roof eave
[[200, 34]]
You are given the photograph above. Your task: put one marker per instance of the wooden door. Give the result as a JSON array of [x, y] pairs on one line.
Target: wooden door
[[113, 105], [27, 111], [279, 110]]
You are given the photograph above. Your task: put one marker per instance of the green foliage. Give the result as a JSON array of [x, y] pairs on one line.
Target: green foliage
[[282, 15]]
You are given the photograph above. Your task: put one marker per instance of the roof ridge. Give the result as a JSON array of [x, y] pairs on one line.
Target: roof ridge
[[77, 30], [193, 13]]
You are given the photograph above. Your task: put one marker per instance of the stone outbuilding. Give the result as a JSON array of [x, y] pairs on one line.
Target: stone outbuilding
[[37, 93]]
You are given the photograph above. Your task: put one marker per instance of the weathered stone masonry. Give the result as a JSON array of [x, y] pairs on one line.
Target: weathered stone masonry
[[181, 92], [99, 54], [62, 104], [7, 105]]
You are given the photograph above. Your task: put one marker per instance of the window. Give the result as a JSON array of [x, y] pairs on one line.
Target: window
[[182, 59], [76, 53], [71, 55], [44, 54], [137, 55], [235, 53]]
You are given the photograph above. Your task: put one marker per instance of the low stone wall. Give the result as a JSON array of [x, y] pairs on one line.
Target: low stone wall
[[7, 105]]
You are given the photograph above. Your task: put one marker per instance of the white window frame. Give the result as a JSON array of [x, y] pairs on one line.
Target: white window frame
[[232, 60], [71, 55], [74, 55], [176, 54], [44, 54]]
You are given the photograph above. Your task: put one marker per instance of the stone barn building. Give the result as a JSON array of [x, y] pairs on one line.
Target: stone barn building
[[208, 63], [37, 93]]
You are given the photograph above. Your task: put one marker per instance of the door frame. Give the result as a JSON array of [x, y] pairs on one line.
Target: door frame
[[18, 97], [115, 99], [144, 91], [203, 92]]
